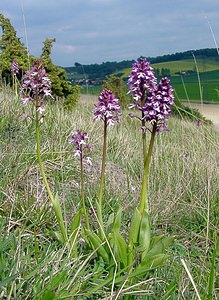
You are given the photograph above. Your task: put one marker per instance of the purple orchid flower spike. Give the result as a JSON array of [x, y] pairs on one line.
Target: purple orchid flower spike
[[82, 148], [157, 108], [36, 86], [14, 68], [141, 80], [107, 108]]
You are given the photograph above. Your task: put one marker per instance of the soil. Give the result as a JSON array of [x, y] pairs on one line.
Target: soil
[[210, 111]]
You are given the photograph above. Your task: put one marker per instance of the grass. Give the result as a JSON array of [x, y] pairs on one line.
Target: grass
[[188, 86], [204, 65], [183, 195]]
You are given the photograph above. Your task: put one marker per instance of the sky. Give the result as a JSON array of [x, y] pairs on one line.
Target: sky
[[96, 31]]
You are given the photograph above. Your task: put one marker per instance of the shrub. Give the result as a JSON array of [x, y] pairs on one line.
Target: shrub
[[118, 87]]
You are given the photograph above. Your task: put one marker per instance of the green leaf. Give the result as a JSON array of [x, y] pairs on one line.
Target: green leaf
[[120, 248], [211, 278], [154, 261], [96, 243], [110, 221], [57, 279], [150, 264], [48, 295], [133, 235], [117, 221], [169, 291], [75, 226], [144, 234], [59, 236], [158, 245], [134, 228], [8, 280], [59, 217]]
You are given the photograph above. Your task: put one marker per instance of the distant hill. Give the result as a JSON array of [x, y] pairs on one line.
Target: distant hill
[[207, 60]]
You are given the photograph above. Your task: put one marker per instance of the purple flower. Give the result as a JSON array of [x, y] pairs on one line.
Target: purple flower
[[153, 100], [36, 85], [198, 122], [14, 68], [158, 105], [141, 80], [107, 108], [79, 138]]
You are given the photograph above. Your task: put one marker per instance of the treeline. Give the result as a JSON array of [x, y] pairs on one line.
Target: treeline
[[101, 71], [201, 53]]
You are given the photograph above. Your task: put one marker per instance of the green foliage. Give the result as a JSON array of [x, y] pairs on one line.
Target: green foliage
[[11, 49], [61, 87], [72, 99], [119, 88]]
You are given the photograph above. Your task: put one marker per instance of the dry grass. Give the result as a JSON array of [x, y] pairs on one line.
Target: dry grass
[[183, 185]]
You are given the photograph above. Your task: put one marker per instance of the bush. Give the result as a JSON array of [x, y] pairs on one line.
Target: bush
[[119, 89], [72, 99]]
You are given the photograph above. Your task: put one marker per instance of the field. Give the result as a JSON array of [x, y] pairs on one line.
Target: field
[[183, 198], [187, 86]]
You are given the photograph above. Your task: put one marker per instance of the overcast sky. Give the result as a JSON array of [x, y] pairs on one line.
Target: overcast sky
[[96, 31]]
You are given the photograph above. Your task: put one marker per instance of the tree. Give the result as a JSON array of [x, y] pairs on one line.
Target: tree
[[61, 87], [11, 49]]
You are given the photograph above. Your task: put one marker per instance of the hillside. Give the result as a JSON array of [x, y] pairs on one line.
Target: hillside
[[180, 67], [207, 60], [185, 65]]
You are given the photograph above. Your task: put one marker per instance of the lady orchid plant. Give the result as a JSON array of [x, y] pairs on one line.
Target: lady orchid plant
[[35, 90], [108, 110], [154, 102], [122, 260]]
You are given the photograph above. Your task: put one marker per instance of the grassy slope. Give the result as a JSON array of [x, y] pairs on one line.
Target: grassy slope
[[183, 198], [209, 76], [206, 65]]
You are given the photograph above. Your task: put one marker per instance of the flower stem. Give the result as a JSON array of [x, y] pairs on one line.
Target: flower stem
[[143, 124], [55, 206], [82, 194], [102, 177], [143, 200]]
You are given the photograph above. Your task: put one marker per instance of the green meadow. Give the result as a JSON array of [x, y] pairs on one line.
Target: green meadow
[[196, 86]]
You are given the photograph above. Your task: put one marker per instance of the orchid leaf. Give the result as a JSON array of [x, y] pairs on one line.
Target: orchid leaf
[[117, 221], [133, 235], [75, 225], [109, 221], [97, 244], [120, 248], [159, 244], [59, 217], [134, 228], [144, 234]]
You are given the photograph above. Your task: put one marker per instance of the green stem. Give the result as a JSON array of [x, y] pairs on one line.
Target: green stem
[[82, 194], [143, 124], [143, 200], [102, 177], [144, 145], [57, 213]]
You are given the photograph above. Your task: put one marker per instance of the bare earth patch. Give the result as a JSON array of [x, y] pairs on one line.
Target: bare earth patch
[[210, 111]]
